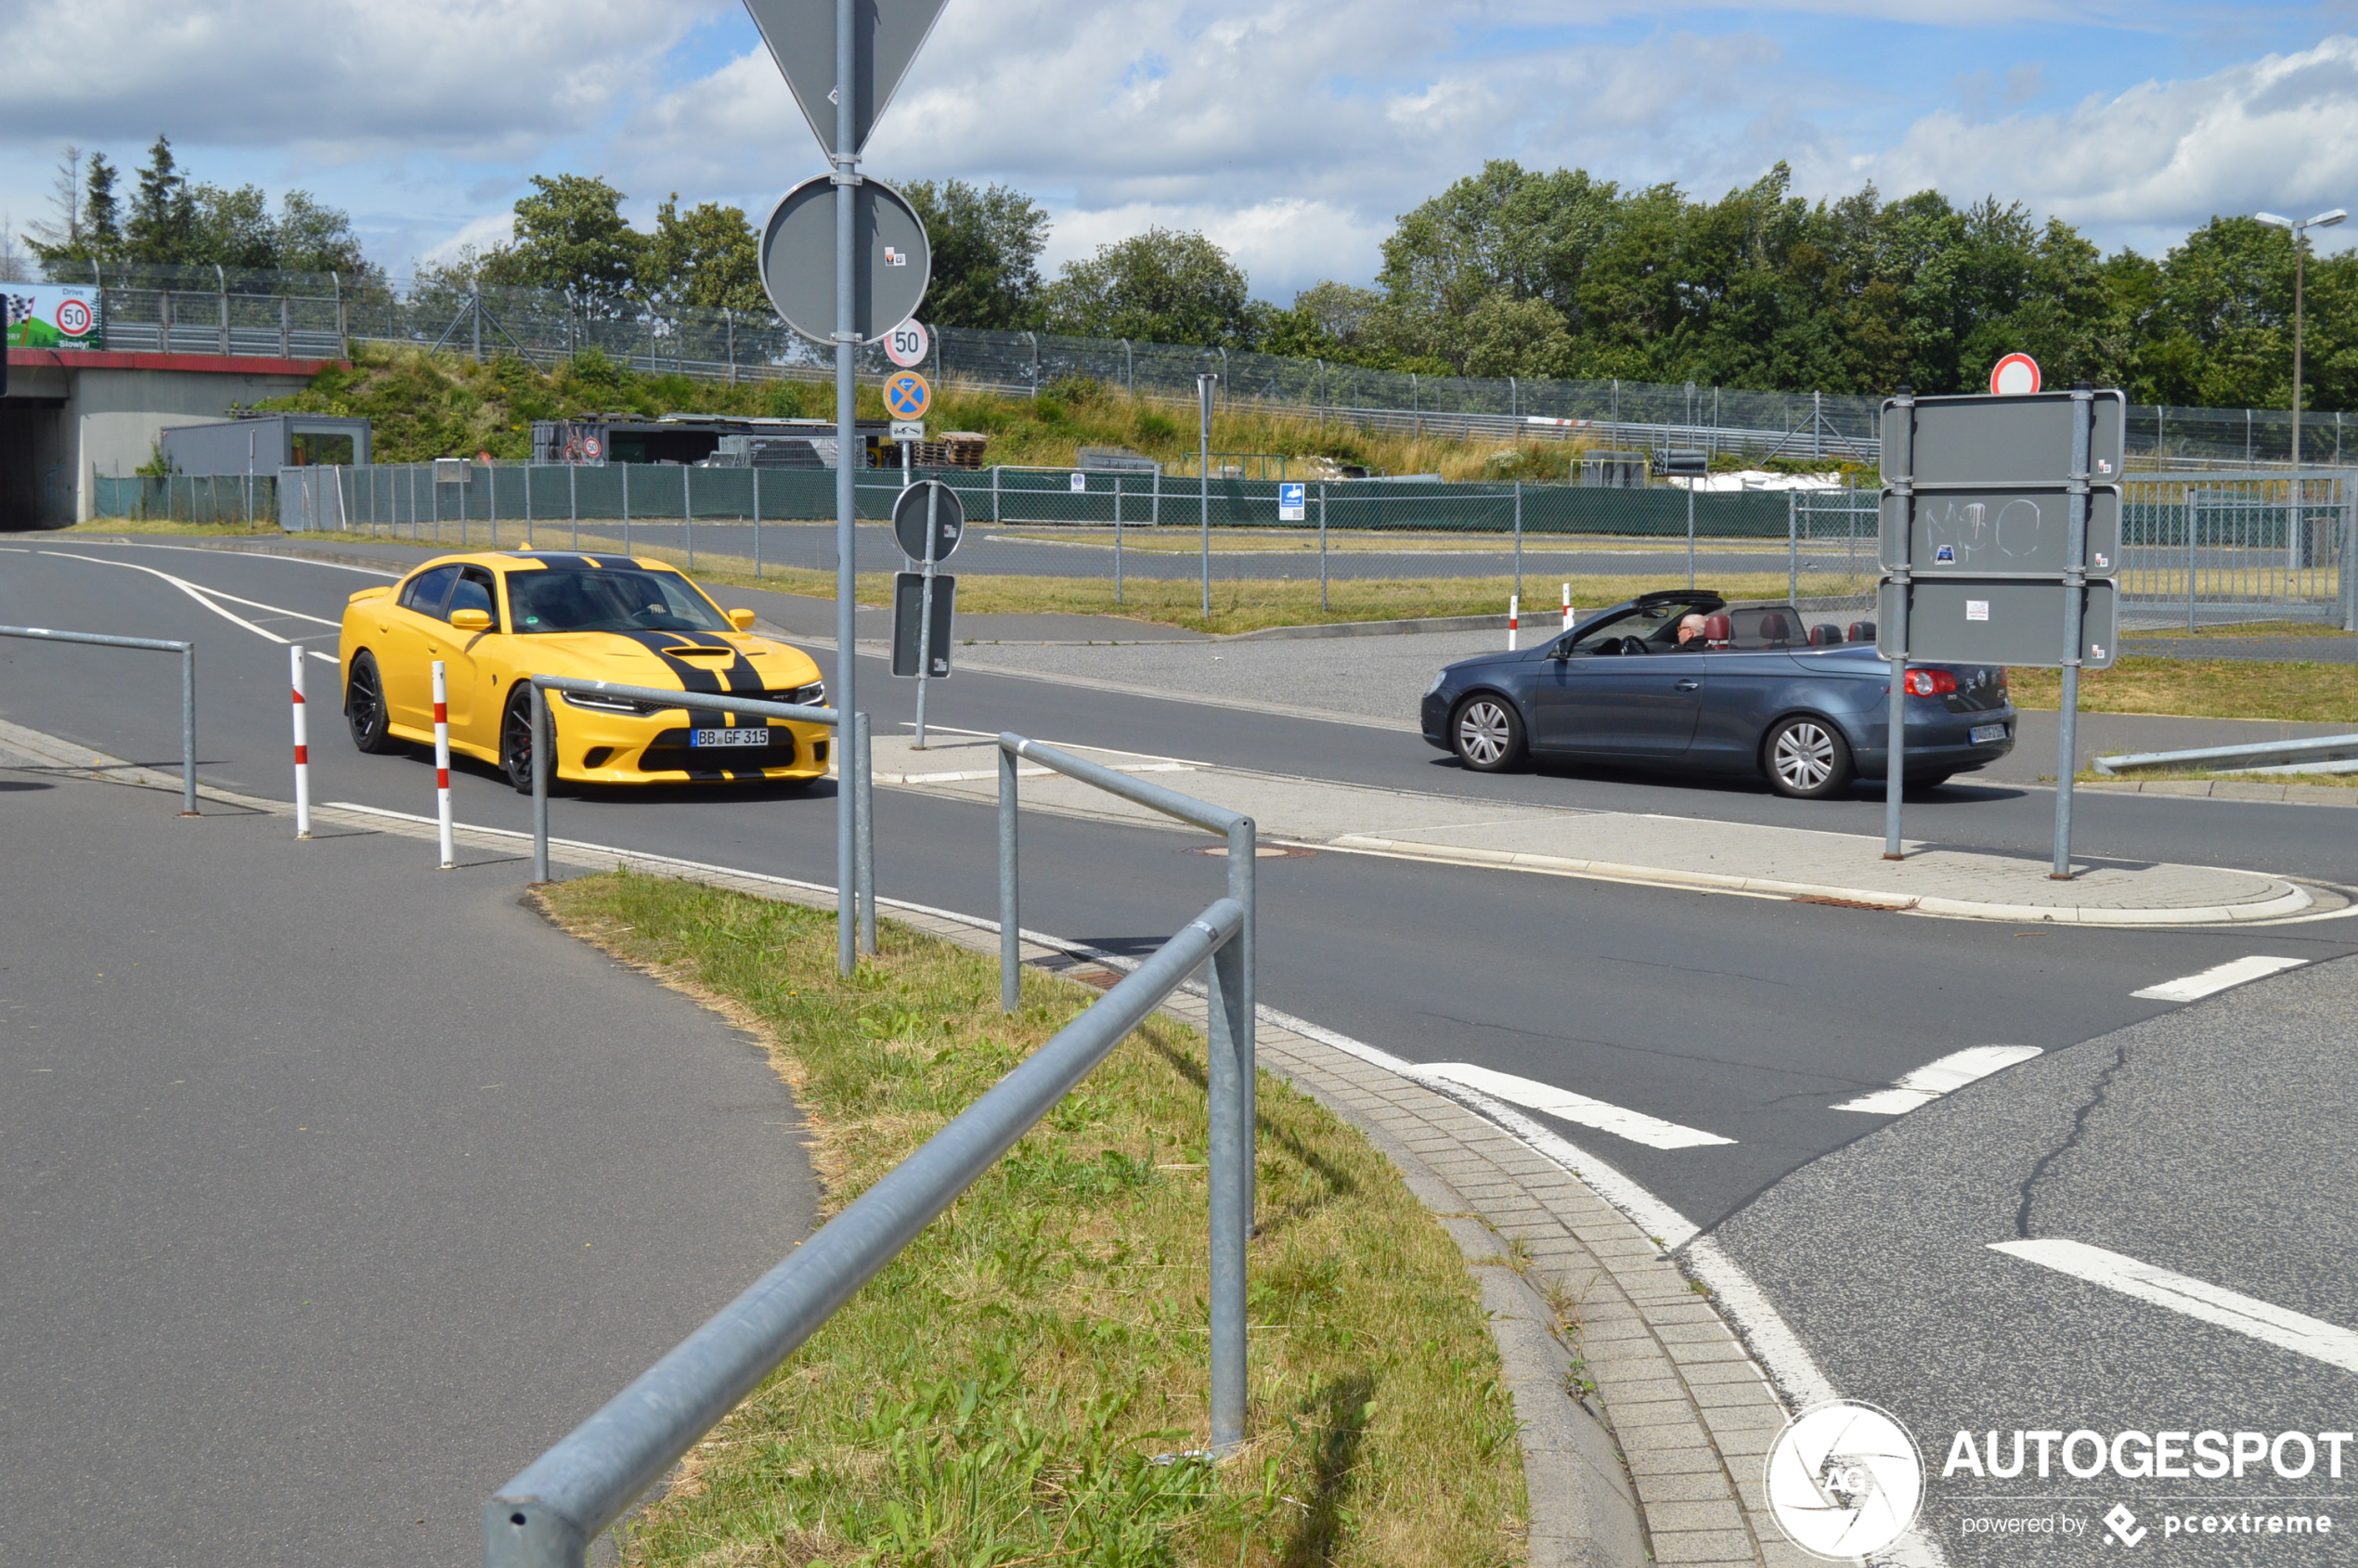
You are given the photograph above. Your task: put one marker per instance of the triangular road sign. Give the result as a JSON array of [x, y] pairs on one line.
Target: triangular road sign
[[801, 35]]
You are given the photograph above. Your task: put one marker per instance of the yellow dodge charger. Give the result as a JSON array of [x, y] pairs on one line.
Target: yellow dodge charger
[[497, 618]]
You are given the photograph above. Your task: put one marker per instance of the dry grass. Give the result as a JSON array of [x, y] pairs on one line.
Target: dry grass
[[2302, 692], [995, 1395]]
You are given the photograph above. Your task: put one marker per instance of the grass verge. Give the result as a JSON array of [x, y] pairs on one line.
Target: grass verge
[[996, 1395], [2302, 691]]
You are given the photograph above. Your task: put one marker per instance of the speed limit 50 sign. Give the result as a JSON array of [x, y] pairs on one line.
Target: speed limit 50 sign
[[906, 345]]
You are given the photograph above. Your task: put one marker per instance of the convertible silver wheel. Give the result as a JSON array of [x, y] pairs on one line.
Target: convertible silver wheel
[[1807, 759], [1488, 735]]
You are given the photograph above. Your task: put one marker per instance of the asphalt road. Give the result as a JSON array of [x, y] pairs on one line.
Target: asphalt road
[[338, 1186], [2214, 1143], [1740, 1017], [2224, 1155]]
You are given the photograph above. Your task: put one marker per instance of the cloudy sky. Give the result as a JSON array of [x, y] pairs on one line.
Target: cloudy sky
[[1293, 133]]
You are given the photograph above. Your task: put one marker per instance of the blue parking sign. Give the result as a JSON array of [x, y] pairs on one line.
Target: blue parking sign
[[1293, 505]]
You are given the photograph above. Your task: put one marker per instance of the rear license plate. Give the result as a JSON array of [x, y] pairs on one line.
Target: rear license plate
[[1982, 733], [729, 737]]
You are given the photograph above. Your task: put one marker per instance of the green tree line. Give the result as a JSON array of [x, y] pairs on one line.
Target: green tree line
[[1509, 272]]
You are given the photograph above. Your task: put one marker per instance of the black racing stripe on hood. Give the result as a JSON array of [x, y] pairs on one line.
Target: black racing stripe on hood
[[694, 676]]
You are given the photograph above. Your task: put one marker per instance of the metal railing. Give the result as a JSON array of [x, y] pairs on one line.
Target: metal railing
[[187, 651], [1229, 1071], [855, 906], [547, 1515]]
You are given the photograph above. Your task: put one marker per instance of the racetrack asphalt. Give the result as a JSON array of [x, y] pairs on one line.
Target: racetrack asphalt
[[338, 1186]]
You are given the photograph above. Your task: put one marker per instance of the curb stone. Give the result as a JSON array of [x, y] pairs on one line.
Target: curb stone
[[1644, 1420]]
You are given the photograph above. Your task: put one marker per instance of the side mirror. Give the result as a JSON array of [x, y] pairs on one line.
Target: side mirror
[[741, 619], [470, 620]]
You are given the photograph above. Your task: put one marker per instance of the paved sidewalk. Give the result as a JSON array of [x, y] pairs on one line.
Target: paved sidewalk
[[1937, 880]]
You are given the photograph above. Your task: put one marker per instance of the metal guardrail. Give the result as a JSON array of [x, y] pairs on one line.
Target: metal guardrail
[[547, 1515], [187, 651], [1229, 1071], [2234, 758], [853, 772]]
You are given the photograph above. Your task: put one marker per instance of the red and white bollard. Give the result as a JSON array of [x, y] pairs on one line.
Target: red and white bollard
[[1514, 619], [1567, 606], [302, 745], [442, 766]]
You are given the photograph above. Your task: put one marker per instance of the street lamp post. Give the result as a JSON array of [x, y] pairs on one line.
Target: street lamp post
[[2299, 232]]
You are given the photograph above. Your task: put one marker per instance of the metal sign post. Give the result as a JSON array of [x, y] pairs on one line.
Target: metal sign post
[[2001, 518], [1203, 471], [2083, 403], [1901, 478], [930, 520], [843, 60]]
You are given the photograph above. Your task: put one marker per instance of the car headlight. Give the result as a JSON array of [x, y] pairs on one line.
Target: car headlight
[[812, 695], [605, 704], [1438, 682]]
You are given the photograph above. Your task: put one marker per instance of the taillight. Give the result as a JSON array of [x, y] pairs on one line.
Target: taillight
[[1930, 682]]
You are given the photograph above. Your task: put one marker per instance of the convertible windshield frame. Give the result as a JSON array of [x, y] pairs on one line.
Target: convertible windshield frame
[[618, 598]]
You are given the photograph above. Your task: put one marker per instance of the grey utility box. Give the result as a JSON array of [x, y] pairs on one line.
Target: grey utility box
[[267, 443]]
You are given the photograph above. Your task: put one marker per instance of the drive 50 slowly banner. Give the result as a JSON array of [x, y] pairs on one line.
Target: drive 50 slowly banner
[[52, 315]]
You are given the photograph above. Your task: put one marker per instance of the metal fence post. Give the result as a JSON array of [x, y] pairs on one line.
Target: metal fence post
[[1010, 939], [1322, 547], [1229, 1083], [573, 500], [1792, 545], [189, 730], [626, 509], [1117, 536], [527, 505], [1203, 480], [540, 764], [863, 801]]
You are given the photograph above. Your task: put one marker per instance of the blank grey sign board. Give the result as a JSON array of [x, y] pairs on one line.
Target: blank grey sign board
[[908, 598], [890, 259], [2024, 440], [2025, 531], [1998, 620]]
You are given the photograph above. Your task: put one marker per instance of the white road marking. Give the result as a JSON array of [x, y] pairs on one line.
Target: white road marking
[[330, 657], [2236, 972], [1935, 1079], [1563, 1104], [201, 594], [2313, 1337], [256, 555]]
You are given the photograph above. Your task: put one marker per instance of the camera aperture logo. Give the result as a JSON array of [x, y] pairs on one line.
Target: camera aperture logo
[[1844, 1479]]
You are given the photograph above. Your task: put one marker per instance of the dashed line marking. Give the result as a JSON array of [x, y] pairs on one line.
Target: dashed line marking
[[2265, 1321], [1565, 1106], [2236, 972], [1935, 1079]]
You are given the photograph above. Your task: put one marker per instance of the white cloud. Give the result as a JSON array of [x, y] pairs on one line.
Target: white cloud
[[2145, 165]]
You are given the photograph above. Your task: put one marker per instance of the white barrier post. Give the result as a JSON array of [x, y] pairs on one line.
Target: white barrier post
[[1514, 612], [302, 745], [442, 766], [1567, 606]]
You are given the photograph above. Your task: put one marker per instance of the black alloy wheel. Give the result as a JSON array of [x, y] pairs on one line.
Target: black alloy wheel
[[364, 707], [515, 741], [1487, 734], [1807, 758]]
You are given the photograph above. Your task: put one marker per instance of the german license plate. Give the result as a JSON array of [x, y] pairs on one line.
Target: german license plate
[[729, 737], [1982, 733]]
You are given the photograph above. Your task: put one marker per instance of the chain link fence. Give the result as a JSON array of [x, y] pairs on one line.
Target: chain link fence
[[190, 497], [218, 310]]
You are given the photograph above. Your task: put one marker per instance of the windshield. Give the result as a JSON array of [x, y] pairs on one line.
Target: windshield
[[605, 599], [1656, 625]]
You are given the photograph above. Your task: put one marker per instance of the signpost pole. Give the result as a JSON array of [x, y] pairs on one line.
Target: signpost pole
[[2083, 409], [1901, 477], [925, 608], [845, 164]]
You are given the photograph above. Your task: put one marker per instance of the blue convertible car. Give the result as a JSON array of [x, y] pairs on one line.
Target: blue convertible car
[[1685, 679]]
